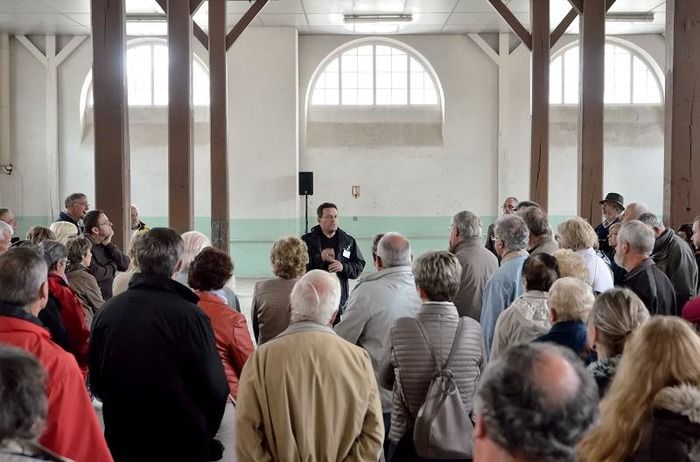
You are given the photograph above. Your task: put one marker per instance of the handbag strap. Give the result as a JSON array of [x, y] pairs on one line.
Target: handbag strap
[[458, 333]]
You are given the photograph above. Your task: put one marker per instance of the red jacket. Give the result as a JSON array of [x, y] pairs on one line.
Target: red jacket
[[73, 318], [233, 340], [72, 429]]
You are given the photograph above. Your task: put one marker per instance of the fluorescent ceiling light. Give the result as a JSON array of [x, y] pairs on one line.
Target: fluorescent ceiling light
[[374, 18], [630, 17]]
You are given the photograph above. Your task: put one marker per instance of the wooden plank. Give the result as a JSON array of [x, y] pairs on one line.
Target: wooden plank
[[198, 32], [51, 114], [513, 22], [592, 78], [682, 133], [194, 6], [218, 125], [111, 115], [578, 5], [539, 128], [559, 31], [180, 139], [244, 22]]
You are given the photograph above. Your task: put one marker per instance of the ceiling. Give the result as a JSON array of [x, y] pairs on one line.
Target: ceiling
[[320, 16]]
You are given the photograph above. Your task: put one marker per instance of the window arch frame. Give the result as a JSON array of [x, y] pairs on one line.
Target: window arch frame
[[635, 51], [382, 41], [86, 88]]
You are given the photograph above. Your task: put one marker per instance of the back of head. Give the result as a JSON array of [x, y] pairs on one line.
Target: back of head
[[540, 271], [38, 234], [536, 401], [467, 224], [394, 250], [526, 204], [194, 242], [536, 220], [512, 230], [439, 274], [159, 251], [22, 272], [652, 221], [289, 257], [63, 230], [315, 297], [639, 236], [571, 298], [210, 270], [634, 210], [22, 394], [576, 234], [571, 264], [53, 252], [77, 248], [663, 352], [616, 314]]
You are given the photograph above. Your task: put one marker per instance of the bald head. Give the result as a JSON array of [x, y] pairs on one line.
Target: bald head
[[535, 401], [315, 297], [634, 210], [394, 250]]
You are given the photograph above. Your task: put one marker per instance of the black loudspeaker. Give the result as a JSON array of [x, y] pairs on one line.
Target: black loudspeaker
[[306, 183]]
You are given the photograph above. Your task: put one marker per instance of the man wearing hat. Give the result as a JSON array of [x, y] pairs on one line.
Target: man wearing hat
[[612, 206]]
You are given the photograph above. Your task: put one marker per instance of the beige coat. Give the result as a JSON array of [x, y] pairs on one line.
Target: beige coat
[[478, 265], [270, 308], [308, 395], [408, 366], [87, 290]]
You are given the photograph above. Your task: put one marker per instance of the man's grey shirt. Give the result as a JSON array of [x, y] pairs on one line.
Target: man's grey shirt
[[377, 301]]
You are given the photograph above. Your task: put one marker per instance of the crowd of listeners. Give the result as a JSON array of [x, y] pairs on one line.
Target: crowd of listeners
[[566, 343]]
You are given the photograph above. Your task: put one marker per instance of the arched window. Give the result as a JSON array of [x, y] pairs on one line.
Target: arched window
[[630, 77], [375, 74], [147, 75]]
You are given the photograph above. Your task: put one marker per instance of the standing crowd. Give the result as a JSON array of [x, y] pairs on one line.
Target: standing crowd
[[567, 344]]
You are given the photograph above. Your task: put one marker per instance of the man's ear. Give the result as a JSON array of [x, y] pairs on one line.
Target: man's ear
[[552, 315], [44, 294], [480, 428]]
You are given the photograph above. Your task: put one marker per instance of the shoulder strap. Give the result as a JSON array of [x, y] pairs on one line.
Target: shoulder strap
[[458, 333]]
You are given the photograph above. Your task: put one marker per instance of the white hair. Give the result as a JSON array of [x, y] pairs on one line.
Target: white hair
[[639, 236], [638, 208], [194, 242], [315, 297], [467, 223], [63, 230], [6, 229]]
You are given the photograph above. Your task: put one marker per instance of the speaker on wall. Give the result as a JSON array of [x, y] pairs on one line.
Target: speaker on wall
[[306, 183]]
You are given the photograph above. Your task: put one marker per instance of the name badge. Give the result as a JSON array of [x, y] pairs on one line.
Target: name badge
[[346, 253]]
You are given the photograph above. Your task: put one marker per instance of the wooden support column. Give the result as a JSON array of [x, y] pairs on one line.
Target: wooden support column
[[682, 137], [218, 125], [590, 119], [180, 139], [539, 135], [111, 115]]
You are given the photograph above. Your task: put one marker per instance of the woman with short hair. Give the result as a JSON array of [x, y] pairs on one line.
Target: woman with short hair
[[578, 235], [270, 305], [208, 274], [39, 234], [63, 230], [651, 411], [615, 315], [528, 316], [80, 279], [414, 344]]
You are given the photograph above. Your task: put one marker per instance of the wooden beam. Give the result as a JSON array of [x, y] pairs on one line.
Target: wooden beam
[[218, 125], [111, 115], [562, 27], [539, 128], [577, 5], [198, 32], [513, 22], [592, 80], [180, 142], [682, 132], [244, 22]]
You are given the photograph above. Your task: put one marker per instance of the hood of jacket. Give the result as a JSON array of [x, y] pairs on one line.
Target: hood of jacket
[[532, 311], [681, 399]]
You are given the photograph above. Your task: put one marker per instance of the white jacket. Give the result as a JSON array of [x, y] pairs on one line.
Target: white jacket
[[523, 321]]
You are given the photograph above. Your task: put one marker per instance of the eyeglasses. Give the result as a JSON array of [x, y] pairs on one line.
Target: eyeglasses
[[63, 261], [106, 223]]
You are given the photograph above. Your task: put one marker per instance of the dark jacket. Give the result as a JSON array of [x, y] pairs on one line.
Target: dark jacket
[[51, 318], [653, 288], [603, 232], [603, 371], [106, 261], [347, 252], [675, 258], [570, 334], [63, 216], [673, 431], [154, 364], [618, 271]]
